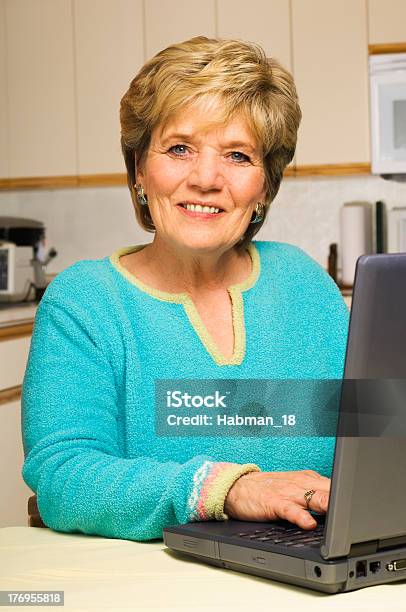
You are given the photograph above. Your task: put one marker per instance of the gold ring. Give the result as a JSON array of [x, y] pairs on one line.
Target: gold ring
[[308, 496]]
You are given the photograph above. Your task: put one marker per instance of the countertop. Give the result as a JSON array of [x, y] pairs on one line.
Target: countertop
[[107, 574], [15, 313], [18, 313]]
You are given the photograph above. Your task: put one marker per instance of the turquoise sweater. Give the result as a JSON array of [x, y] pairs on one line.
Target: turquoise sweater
[[101, 338]]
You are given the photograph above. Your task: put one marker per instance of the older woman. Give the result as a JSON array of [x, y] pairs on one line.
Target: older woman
[[207, 128]]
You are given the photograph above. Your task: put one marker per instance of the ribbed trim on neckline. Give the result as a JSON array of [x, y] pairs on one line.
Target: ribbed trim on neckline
[[179, 297], [235, 292]]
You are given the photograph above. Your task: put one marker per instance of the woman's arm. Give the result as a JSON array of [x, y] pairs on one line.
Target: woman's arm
[[74, 459]]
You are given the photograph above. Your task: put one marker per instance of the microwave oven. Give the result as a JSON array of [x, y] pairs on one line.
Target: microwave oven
[[387, 74]]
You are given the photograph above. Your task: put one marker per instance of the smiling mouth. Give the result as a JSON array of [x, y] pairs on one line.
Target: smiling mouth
[[199, 208]]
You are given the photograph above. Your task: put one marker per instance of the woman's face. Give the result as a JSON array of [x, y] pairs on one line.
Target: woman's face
[[202, 183]]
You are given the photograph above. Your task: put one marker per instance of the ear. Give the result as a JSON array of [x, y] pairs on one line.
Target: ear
[[139, 170], [139, 176], [263, 193]]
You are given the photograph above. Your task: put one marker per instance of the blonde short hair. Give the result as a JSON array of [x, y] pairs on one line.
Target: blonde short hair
[[243, 80]]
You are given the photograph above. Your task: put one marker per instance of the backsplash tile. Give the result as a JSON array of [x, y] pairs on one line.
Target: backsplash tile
[[90, 223]]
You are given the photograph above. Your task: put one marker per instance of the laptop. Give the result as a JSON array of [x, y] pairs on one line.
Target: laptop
[[362, 539]]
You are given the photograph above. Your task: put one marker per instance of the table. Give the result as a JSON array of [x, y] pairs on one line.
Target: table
[[106, 574]]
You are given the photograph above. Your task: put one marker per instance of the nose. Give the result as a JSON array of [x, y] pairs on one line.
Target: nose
[[206, 173]]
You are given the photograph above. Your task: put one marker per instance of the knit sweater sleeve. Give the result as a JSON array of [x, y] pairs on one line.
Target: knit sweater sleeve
[[74, 456]]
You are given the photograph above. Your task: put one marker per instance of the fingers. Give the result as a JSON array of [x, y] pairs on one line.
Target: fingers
[[318, 502], [289, 511], [294, 512], [292, 504]]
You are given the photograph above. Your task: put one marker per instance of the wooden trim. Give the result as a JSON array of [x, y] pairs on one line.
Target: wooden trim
[[14, 331], [332, 170], [102, 180], [346, 290], [10, 395], [399, 47], [63, 182], [39, 182]]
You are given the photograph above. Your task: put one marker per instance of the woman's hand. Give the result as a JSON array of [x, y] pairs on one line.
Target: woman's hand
[[268, 496]]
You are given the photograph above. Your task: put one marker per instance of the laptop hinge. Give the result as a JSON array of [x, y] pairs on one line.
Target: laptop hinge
[[363, 548], [392, 542]]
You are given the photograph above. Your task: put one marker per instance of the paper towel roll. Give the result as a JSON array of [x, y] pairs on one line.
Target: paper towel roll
[[356, 236]]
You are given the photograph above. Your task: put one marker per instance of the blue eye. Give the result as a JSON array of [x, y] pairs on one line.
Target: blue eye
[[239, 157], [179, 150]]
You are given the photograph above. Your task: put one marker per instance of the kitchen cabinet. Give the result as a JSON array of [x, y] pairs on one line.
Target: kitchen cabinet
[[172, 21], [3, 93], [266, 23], [387, 21], [330, 66], [107, 59], [62, 76], [40, 79], [15, 339], [13, 359], [14, 491]]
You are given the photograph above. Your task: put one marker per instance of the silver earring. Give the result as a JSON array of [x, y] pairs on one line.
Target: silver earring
[[259, 213], [142, 198]]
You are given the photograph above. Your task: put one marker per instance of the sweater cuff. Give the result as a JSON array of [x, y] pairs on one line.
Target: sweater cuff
[[212, 483]]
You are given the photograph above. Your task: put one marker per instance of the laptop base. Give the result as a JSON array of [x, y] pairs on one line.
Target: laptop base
[[305, 568]]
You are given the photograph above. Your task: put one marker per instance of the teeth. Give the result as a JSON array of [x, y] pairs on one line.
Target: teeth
[[199, 208]]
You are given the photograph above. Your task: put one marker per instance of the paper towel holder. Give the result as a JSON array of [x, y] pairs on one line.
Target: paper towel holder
[[355, 237]]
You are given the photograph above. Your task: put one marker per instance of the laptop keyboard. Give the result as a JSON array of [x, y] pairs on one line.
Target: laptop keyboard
[[285, 536]]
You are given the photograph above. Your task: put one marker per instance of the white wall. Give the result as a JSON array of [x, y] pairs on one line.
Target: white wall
[[91, 223]]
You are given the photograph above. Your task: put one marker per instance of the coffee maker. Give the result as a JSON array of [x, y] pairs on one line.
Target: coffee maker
[[23, 260]]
